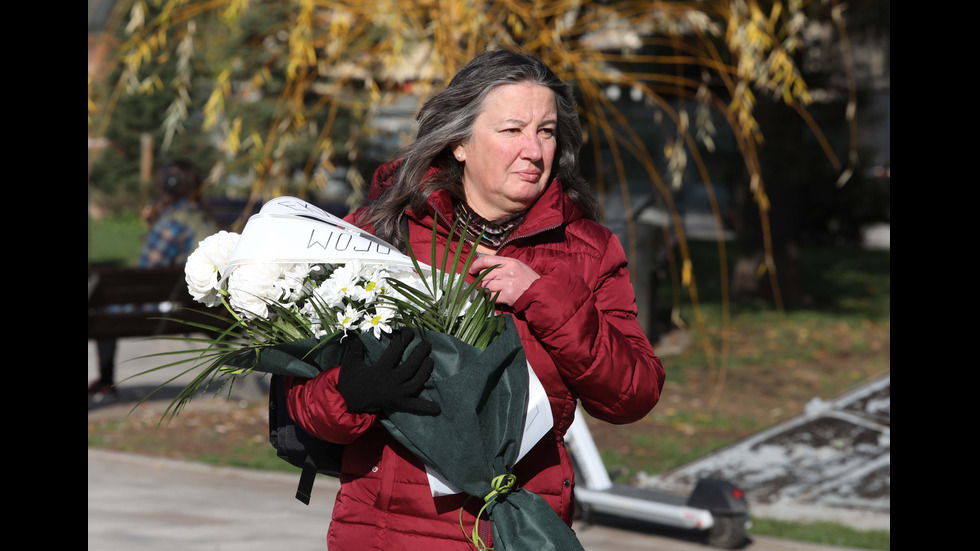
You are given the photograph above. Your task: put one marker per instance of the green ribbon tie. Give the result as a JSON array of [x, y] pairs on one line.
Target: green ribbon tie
[[501, 485]]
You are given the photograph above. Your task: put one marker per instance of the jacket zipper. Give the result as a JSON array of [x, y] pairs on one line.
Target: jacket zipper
[[524, 235]]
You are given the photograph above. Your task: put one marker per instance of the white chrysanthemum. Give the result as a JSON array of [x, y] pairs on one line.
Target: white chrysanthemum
[[373, 271], [251, 286], [379, 322], [333, 291], [348, 319], [344, 278], [291, 282], [204, 266], [371, 284]]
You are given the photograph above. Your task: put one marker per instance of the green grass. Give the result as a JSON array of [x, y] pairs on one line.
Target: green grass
[[847, 282], [670, 453], [827, 533], [259, 456], [115, 240]]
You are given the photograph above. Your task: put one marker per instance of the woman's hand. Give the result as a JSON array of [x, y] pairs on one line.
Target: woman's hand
[[510, 278], [389, 384]]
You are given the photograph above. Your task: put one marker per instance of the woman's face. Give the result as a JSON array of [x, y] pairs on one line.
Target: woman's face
[[508, 156]]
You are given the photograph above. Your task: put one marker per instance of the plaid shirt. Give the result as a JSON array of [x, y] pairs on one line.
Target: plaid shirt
[[175, 235]]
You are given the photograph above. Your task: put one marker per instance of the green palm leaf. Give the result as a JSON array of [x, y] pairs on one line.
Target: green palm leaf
[[442, 308]]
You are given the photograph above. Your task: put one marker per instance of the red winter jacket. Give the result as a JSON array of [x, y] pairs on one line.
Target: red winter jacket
[[578, 325]]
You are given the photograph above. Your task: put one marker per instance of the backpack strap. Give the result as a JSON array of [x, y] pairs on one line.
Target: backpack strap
[[323, 457], [306, 478]]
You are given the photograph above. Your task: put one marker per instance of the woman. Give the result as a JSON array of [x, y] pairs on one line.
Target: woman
[[499, 147]]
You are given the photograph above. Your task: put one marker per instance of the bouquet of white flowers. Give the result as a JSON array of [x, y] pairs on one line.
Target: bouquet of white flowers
[[297, 272], [298, 281]]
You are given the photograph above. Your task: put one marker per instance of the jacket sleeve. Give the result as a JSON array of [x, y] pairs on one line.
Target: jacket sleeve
[[594, 338], [318, 408]]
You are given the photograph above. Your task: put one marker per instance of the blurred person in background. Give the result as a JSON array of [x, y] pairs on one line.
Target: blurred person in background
[[178, 220]]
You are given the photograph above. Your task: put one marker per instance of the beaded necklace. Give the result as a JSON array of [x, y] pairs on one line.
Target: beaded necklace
[[496, 231]]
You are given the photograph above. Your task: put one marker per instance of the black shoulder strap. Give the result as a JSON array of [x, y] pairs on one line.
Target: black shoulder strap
[[323, 457], [305, 487]]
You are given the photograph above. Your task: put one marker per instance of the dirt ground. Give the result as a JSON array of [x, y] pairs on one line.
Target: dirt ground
[[208, 427]]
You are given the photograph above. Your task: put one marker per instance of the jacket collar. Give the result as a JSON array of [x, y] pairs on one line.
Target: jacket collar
[[552, 210]]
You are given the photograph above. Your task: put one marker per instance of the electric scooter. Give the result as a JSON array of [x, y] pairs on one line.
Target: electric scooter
[[716, 508]]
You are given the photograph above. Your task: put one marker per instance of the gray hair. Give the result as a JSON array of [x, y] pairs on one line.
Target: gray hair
[[446, 120]]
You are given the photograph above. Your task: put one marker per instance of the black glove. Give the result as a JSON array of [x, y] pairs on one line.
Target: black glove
[[388, 385]]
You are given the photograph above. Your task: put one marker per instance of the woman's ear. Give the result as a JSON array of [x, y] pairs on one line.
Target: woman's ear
[[459, 152]]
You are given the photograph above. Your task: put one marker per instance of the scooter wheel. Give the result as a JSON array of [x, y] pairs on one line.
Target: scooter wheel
[[728, 532]]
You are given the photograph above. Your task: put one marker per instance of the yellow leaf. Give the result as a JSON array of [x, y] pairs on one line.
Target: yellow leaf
[[774, 16], [257, 139], [232, 140]]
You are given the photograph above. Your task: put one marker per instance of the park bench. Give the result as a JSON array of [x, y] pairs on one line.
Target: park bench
[[154, 302], [128, 302]]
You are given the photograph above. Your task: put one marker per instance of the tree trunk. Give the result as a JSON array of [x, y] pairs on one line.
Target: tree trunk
[[785, 167]]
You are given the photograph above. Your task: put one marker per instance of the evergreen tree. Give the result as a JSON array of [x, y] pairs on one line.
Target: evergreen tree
[[140, 110]]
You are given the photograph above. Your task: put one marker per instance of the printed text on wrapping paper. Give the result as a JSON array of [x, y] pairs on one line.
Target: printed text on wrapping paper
[[343, 241]]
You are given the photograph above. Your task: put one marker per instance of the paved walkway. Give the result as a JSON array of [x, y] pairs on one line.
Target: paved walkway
[[153, 504]]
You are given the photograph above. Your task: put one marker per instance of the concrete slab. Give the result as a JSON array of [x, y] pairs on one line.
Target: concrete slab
[[831, 463]]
